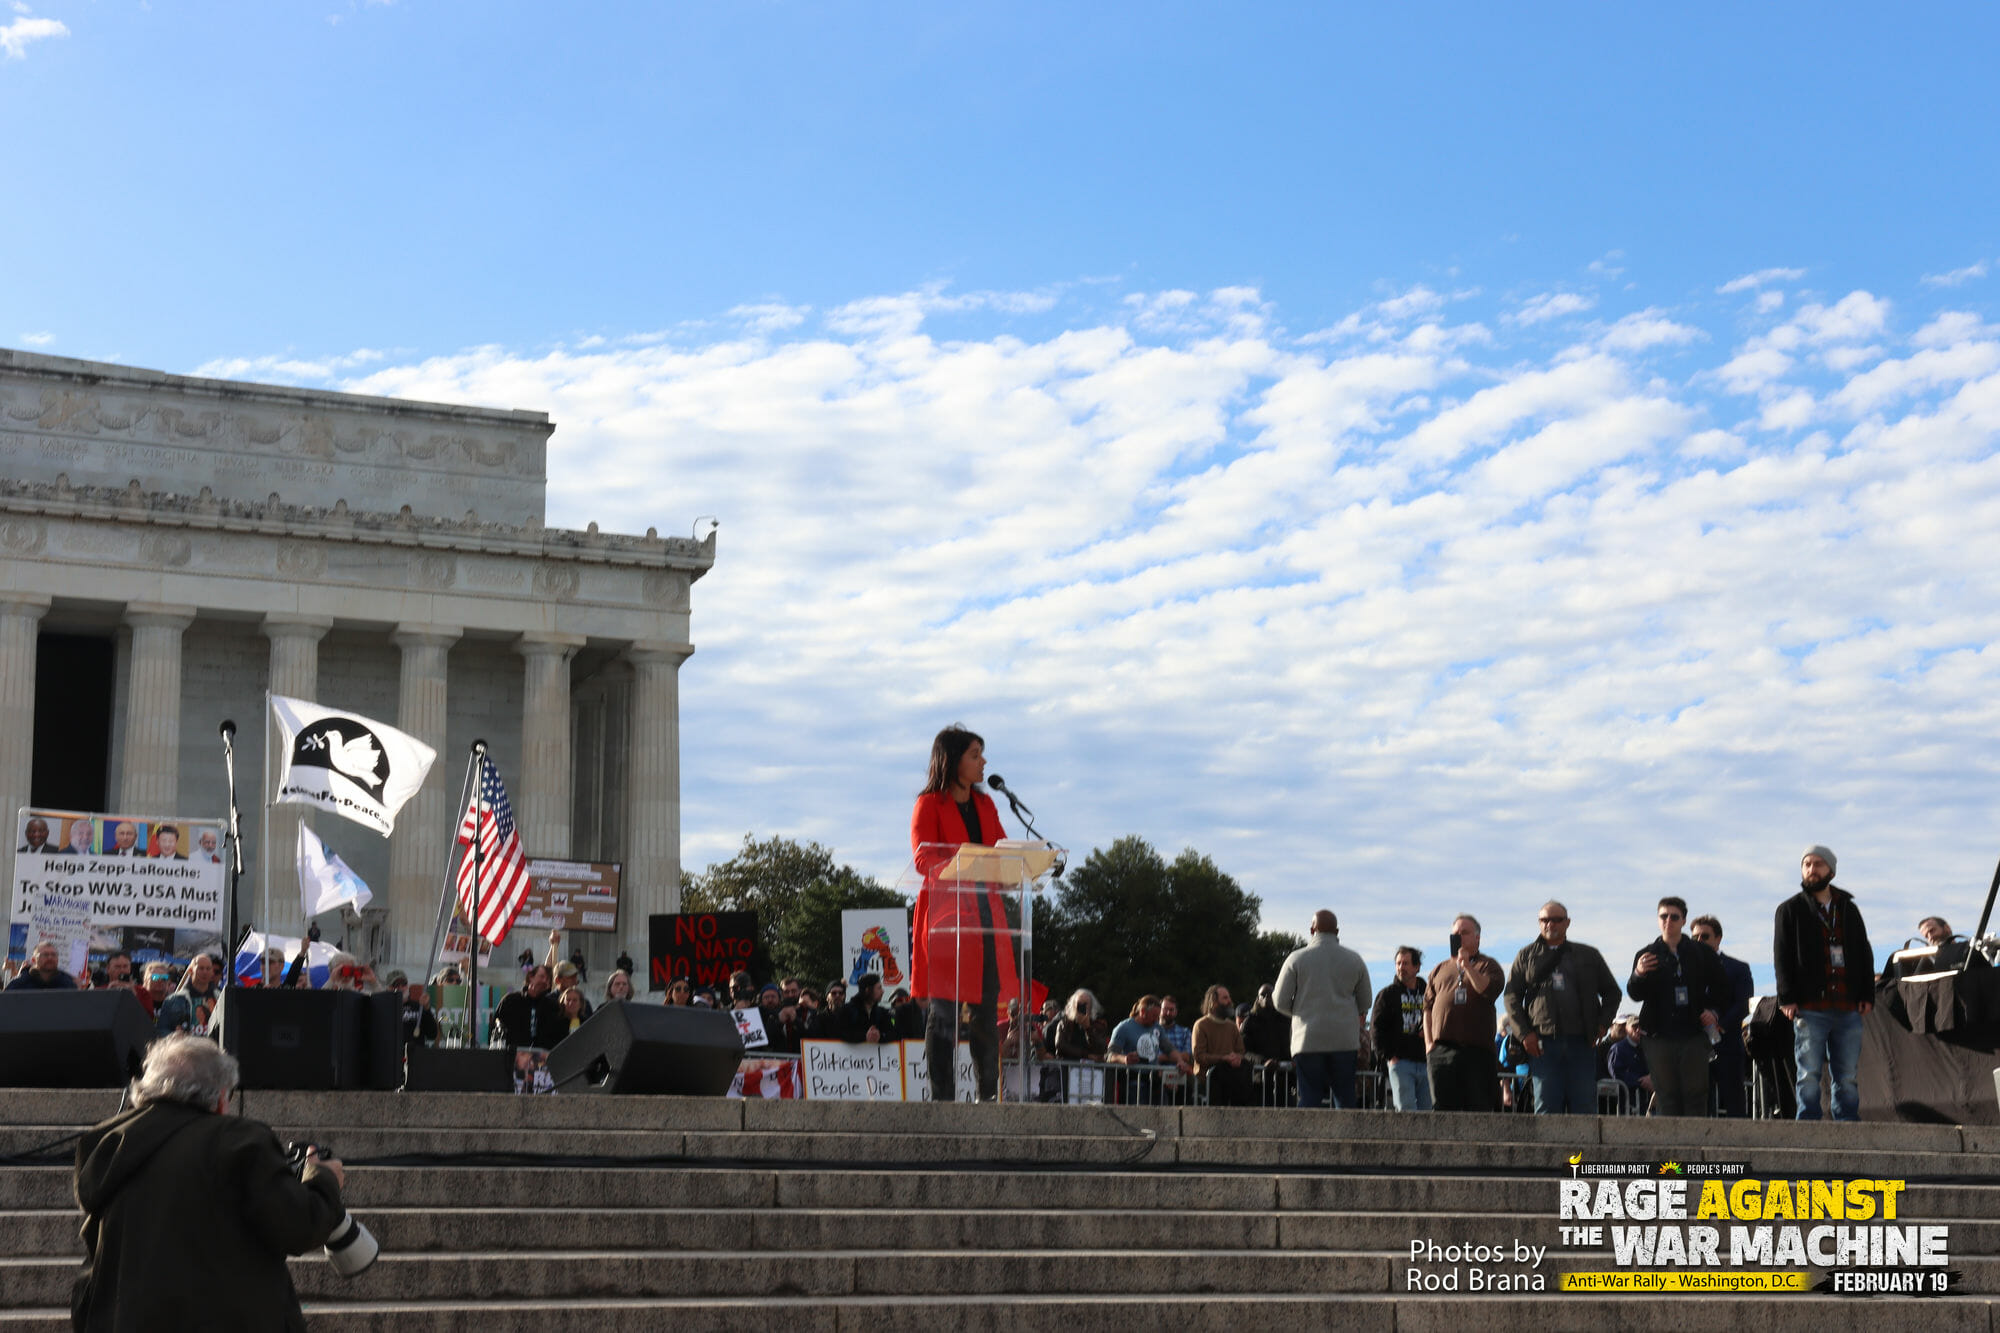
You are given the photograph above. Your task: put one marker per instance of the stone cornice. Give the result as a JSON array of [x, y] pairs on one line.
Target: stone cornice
[[274, 518]]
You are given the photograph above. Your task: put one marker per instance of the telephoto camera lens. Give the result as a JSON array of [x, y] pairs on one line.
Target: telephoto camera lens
[[351, 1247]]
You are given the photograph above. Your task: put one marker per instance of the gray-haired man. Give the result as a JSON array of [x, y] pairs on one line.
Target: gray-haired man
[[189, 1211]]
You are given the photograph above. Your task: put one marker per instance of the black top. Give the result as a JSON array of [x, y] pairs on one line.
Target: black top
[[968, 810]]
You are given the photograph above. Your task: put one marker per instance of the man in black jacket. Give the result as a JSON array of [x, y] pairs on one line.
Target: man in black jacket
[[531, 1016], [863, 1019], [1732, 1094], [1397, 1024], [189, 1211], [1682, 992], [1826, 983]]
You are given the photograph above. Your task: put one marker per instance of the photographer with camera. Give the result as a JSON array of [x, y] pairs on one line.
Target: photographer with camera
[[189, 1211]]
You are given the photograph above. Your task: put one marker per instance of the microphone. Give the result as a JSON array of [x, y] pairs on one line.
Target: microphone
[[999, 784], [227, 729]]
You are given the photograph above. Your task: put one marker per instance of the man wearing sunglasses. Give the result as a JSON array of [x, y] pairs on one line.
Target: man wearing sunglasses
[[1681, 990], [1561, 999]]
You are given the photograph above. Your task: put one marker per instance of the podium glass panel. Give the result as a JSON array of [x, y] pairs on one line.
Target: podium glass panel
[[972, 939]]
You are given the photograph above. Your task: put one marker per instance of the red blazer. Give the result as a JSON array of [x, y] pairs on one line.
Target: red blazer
[[939, 972]]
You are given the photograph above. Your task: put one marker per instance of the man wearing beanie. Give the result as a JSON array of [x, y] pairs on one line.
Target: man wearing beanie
[[1826, 983]]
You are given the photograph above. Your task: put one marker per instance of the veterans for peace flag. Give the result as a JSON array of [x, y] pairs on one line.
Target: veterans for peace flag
[[493, 867], [326, 882], [354, 766]]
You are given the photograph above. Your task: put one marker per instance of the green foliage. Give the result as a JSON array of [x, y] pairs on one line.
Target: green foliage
[[798, 894], [1127, 922]]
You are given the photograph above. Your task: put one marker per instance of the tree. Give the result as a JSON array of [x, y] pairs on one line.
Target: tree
[[1127, 923], [798, 893]]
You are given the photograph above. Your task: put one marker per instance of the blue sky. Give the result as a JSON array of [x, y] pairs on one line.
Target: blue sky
[[1423, 458]]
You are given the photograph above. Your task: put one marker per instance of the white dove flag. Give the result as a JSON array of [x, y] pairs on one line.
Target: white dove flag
[[353, 766], [325, 881]]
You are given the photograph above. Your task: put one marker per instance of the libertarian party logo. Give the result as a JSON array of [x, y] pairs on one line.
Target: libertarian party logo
[[351, 766], [344, 746]]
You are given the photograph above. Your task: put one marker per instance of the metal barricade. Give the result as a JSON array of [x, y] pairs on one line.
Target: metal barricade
[[1096, 1083]]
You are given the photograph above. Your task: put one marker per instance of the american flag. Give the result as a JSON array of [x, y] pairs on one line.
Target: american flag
[[503, 881]]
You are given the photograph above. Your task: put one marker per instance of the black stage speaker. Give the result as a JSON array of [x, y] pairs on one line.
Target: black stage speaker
[[72, 1039], [473, 1069], [311, 1040], [627, 1047]]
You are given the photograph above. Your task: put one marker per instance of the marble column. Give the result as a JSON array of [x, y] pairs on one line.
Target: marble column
[[421, 846], [294, 672], [543, 810], [651, 881], [152, 769], [20, 621]]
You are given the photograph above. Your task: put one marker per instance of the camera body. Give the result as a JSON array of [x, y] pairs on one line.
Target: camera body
[[352, 1247]]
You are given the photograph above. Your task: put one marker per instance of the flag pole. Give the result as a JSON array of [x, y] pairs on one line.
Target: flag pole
[[264, 820], [445, 894], [478, 873]]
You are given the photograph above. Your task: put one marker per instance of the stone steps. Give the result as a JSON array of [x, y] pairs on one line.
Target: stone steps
[[685, 1213]]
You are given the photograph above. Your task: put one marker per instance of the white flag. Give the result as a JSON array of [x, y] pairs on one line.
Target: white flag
[[353, 766], [325, 881]]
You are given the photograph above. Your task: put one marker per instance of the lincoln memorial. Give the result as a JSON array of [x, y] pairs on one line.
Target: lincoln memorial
[[172, 548]]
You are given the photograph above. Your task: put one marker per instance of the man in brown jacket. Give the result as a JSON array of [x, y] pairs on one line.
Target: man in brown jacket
[[1459, 1026]]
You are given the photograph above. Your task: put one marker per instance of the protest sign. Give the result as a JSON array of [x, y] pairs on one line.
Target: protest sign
[[916, 1077], [750, 1027], [853, 1071], [571, 895], [704, 947], [61, 919], [149, 873], [877, 940]]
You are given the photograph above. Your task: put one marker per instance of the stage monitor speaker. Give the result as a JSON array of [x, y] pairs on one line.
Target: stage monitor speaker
[[297, 1040], [72, 1039], [381, 1041], [649, 1048], [473, 1069]]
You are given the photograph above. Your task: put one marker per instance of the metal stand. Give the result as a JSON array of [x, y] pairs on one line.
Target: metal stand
[[234, 841]]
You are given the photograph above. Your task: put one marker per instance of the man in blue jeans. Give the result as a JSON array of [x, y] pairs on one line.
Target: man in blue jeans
[[1561, 998], [1324, 989], [1826, 983]]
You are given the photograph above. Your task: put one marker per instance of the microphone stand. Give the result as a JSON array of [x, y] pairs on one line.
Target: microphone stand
[[1027, 949], [234, 841]]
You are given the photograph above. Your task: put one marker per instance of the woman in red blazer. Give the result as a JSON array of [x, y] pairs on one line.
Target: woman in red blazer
[[964, 949]]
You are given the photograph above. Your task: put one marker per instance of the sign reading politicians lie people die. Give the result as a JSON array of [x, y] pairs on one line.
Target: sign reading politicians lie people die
[[133, 870]]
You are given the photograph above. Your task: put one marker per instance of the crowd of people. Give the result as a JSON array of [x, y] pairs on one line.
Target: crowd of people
[[1471, 1035]]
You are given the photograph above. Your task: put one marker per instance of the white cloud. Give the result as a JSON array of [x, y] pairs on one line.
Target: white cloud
[[1552, 305], [16, 36], [1957, 277], [287, 369], [1763, 277], [1267, 597], [1647, 328], [42, 339], [770, 316]]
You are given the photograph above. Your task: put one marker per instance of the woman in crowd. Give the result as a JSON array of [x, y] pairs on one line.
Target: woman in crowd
[[571, 1001], [680, 991], [1074, 1035], [964, 949]]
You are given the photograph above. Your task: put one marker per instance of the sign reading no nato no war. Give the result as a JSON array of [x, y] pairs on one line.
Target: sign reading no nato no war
[[704, 947]]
